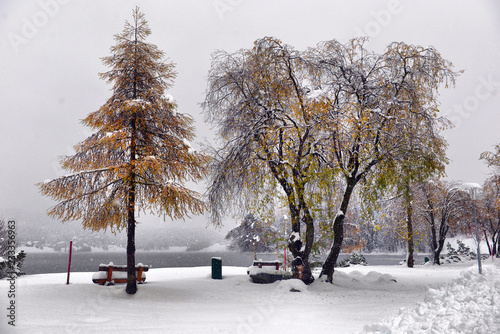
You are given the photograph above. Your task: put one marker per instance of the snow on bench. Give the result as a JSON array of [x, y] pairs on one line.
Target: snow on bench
[[110, 274], [267, 272], [261, 264]]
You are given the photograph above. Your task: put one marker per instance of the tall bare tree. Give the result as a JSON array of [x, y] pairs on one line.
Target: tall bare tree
[[443, 205], [139, 155], [489, 213], [290, 118], [489, 205], [381, 107], [268, 127]]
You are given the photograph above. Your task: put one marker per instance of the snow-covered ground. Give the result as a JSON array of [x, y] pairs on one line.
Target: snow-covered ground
[[187, 300], [471, 304]]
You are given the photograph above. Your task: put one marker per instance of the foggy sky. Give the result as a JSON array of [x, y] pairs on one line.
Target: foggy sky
[[51, 50]]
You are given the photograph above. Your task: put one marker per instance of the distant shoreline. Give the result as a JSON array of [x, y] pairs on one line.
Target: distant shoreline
[[117, 249]]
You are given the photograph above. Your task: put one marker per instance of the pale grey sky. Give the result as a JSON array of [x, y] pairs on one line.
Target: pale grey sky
[[51, 49]]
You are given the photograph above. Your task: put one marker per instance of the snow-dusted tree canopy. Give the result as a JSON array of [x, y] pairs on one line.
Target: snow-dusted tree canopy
[[139, 155], [336, 113], [140, 139]]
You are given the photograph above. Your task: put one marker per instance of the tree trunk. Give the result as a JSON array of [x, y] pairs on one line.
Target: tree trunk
[[254, 252], [300, 264], [302, 270], [338, 232], [434, 244], [497, 244], [409, 225], [494, 248], [442, 238], [131, 278], [333, 255], [443, 231], [490, 251], [437, 256]]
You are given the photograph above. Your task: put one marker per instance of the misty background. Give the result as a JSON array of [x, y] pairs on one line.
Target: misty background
[[50, 60]]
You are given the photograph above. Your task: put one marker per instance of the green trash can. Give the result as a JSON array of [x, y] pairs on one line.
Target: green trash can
[[216, 268]]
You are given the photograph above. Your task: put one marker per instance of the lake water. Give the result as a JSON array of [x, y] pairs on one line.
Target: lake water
[[40, 263]]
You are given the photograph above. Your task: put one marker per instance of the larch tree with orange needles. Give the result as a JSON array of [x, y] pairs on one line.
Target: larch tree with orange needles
[[139, 156]]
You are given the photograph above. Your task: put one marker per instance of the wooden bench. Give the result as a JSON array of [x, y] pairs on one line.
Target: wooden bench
[[270, 272], [261, 264], [110, 274]]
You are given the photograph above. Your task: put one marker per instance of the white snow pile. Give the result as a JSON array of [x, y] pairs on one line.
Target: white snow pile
[[271, 270], [291, 285], [471, 304], [371, 277]]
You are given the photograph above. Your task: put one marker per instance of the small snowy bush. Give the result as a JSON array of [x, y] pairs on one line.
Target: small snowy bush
[[462, 253], [355, 258], [9, 268], [462, 249]]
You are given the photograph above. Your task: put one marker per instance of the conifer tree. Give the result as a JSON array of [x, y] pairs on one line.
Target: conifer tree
[[139, 155], [252, 235]]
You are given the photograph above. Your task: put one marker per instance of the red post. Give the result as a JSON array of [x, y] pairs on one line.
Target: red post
[[69, 264], [285, 257]]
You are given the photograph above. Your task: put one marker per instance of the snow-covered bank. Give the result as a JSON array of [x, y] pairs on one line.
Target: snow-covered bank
[[471, 304], [175, 300], [187, 300]]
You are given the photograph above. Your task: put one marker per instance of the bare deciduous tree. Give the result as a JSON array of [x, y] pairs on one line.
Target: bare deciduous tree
[[290, 118], [489, 213], [381, 107], [443, 205], [489, 205], [267, 126]]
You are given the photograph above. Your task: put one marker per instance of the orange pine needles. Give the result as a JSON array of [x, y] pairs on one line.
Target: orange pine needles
[[139, 154]]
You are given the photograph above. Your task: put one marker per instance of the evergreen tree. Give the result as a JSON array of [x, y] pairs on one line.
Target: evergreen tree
[[252, 236], [10, 260], [139, 155], [4, 238]]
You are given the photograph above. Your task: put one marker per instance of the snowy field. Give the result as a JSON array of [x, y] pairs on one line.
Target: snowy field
[[384, 299]]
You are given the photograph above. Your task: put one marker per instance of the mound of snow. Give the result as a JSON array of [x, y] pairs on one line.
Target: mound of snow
[[358, 278], [377, 277], [291, 285], [254, 270], [468, 305]]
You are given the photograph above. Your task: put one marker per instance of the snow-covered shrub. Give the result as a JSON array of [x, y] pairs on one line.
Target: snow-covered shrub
[[355, 258], [462, 249], [10, 263], [252, 235], [462, 253], [12, 266]]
